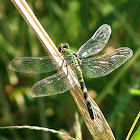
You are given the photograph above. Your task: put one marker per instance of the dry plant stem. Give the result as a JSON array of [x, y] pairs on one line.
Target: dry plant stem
[[37, 128], [98, 127]]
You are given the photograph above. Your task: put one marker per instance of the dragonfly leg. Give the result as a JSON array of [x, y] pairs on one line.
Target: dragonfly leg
[[66, 65]]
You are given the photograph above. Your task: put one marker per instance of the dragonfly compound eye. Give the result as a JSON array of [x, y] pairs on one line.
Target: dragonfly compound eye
[[66, 46]]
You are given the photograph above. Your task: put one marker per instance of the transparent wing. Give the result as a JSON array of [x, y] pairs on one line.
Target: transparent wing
[[52, 85], [103, 65], [32, 64], [96, 43]]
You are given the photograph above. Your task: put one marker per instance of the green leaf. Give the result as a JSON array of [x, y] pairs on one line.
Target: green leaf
[[136, 135], [135, 91]]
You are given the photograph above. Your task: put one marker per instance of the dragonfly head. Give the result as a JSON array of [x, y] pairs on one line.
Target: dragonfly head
[[63, 47]]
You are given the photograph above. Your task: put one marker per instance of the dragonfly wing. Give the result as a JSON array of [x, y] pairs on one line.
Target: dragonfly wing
[[51, 85], [96, 43], [103, 65], [32, 64]]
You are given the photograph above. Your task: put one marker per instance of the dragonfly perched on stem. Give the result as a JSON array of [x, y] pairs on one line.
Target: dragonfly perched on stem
[[80, 62]]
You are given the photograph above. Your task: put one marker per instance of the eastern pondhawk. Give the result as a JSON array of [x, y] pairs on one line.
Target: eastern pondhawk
[[91, 67]]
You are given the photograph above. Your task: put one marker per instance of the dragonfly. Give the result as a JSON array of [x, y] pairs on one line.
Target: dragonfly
[[83, 63]]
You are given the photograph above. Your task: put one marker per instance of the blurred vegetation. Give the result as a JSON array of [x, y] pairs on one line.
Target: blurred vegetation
[[73, 22]]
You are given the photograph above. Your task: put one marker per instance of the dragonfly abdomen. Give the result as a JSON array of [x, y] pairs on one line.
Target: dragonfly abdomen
[[87, 99], [83, 86]]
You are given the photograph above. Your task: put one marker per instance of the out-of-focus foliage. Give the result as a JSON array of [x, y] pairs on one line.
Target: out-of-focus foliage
[[74, 22]]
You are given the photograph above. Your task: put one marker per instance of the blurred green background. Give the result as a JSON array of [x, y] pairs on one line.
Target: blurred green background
[[73, 22]]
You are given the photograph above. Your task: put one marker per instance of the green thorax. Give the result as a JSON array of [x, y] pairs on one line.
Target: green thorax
[[68, 52], [64, 49]]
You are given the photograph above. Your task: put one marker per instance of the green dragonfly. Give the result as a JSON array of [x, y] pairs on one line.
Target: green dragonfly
[[80, 62]]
